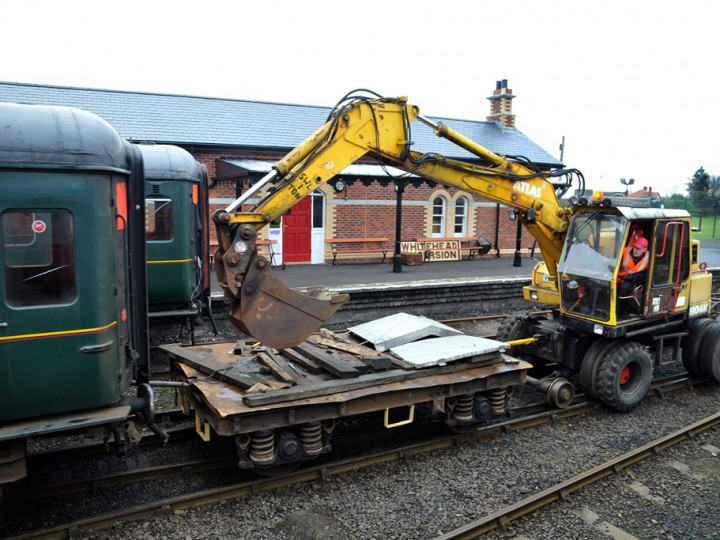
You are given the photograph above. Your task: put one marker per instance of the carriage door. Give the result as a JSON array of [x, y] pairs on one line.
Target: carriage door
[[297, 227], [670, 268]]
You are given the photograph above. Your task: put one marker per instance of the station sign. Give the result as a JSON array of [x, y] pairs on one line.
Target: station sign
[[434, 251]]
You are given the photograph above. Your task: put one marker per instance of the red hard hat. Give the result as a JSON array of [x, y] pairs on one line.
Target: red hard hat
[[640, 242]]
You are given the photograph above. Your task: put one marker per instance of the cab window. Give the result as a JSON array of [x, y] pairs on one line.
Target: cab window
[[38, 258], [158, 219]]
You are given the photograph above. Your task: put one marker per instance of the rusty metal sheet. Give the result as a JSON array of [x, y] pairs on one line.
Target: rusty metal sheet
[[400, 328], [438, 351]]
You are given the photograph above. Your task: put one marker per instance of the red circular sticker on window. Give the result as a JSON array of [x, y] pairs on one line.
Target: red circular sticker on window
[[39, 226]]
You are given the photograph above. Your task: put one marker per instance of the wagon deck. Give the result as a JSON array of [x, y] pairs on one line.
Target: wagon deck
[[244, 387]]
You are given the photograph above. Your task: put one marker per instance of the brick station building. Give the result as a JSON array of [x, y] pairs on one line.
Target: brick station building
[[239, 140]]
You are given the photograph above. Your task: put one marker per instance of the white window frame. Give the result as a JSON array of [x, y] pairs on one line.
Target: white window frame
[[438, 217]]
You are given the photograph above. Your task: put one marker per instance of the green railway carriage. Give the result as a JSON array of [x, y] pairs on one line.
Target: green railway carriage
[[73, 315], [176, 231]]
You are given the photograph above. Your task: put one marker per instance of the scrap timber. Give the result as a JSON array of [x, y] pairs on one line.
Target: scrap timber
[[244, 387]]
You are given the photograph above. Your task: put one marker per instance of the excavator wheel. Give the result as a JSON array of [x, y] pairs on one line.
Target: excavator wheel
[[624, 376], [511, 328], [694, 344], [590, 363], [708, 360]]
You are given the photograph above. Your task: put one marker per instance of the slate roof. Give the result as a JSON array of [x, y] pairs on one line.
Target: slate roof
[[234, 123]]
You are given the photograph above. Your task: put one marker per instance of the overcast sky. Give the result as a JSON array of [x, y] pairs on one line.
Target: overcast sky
[[633, 86]]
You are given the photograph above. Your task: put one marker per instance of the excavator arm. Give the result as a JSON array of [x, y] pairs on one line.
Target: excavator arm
[[280, 317]]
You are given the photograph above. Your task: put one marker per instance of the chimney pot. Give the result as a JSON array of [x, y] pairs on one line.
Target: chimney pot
[[504, 83], [498, 85]]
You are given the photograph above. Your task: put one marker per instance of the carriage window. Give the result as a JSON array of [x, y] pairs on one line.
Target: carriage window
[[38, 258], [158, 219]]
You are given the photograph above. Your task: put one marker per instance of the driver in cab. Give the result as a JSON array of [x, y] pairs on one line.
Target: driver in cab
[[633, 268]]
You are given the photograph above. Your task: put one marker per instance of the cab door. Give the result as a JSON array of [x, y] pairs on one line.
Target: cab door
[[670, 268]]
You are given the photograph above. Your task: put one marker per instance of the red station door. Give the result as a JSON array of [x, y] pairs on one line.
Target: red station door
[[297, 228]]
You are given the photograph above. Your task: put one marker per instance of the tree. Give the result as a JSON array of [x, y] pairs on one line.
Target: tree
[[704, 190]]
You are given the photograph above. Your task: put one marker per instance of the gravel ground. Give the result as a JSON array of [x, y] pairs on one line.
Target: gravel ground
[[673, 495]]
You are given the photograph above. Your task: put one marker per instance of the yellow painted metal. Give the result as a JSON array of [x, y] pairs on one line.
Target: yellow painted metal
[[401, 422], [541, 295], [525, 341], [202, 428], [380, 127]]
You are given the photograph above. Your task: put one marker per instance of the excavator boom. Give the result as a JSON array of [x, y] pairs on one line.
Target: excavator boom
[[280, 317]]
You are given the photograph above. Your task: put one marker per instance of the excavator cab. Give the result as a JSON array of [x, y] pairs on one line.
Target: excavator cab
[[588, 265], [591, 282]]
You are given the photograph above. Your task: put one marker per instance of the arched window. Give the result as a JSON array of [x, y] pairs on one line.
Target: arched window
[[438, 218], [461, 216]]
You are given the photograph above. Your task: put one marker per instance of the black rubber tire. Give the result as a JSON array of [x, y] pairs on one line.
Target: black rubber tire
[[511, 328], [709, 357], [693, 343], [630, 361], [590, 363]]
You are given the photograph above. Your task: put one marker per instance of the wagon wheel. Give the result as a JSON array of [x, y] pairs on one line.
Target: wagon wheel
[[624, 376], [589, 366], [692, 345], [708, 361]]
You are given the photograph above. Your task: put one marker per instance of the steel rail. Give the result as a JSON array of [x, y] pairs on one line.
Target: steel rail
[[530, 417], [502, 519]]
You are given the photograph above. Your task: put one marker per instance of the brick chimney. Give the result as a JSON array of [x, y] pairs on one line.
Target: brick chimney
[[501, 105]]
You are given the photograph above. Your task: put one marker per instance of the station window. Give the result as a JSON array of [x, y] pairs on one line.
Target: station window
[[461, 216], [438, 217], [38, 258], [158, 219]]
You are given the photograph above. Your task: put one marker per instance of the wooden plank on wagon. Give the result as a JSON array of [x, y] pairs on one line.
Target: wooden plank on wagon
[[327, 361], [230, 373], [268, 360], [354, 361], [364, 381], [363, 351], [298, 358], [298, 376]]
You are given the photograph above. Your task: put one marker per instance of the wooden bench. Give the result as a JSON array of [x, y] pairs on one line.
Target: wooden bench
[[336, 245], [468, 244], [271, 252]]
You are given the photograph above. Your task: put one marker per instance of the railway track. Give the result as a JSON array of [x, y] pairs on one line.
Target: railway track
[[502, 519], [524, 417]]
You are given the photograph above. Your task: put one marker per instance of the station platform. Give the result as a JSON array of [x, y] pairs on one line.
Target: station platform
[[349, 277]]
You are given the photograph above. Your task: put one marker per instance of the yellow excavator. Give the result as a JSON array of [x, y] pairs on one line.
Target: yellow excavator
[[599, 330]]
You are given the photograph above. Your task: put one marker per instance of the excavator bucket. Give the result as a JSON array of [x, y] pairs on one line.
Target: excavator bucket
[[276, 315]]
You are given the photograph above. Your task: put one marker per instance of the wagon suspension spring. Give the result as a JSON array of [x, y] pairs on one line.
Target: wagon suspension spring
[[311, 437], [497, 400], [463, 410], [262, 446]]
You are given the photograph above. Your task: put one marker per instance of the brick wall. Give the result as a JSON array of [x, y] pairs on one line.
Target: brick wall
[[369, 210]]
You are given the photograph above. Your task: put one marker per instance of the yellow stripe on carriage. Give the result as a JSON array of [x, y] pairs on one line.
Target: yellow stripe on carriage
[[170, 261], [61, 333]]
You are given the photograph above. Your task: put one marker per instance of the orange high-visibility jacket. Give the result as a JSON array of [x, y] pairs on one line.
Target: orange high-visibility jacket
[[629, 266]]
